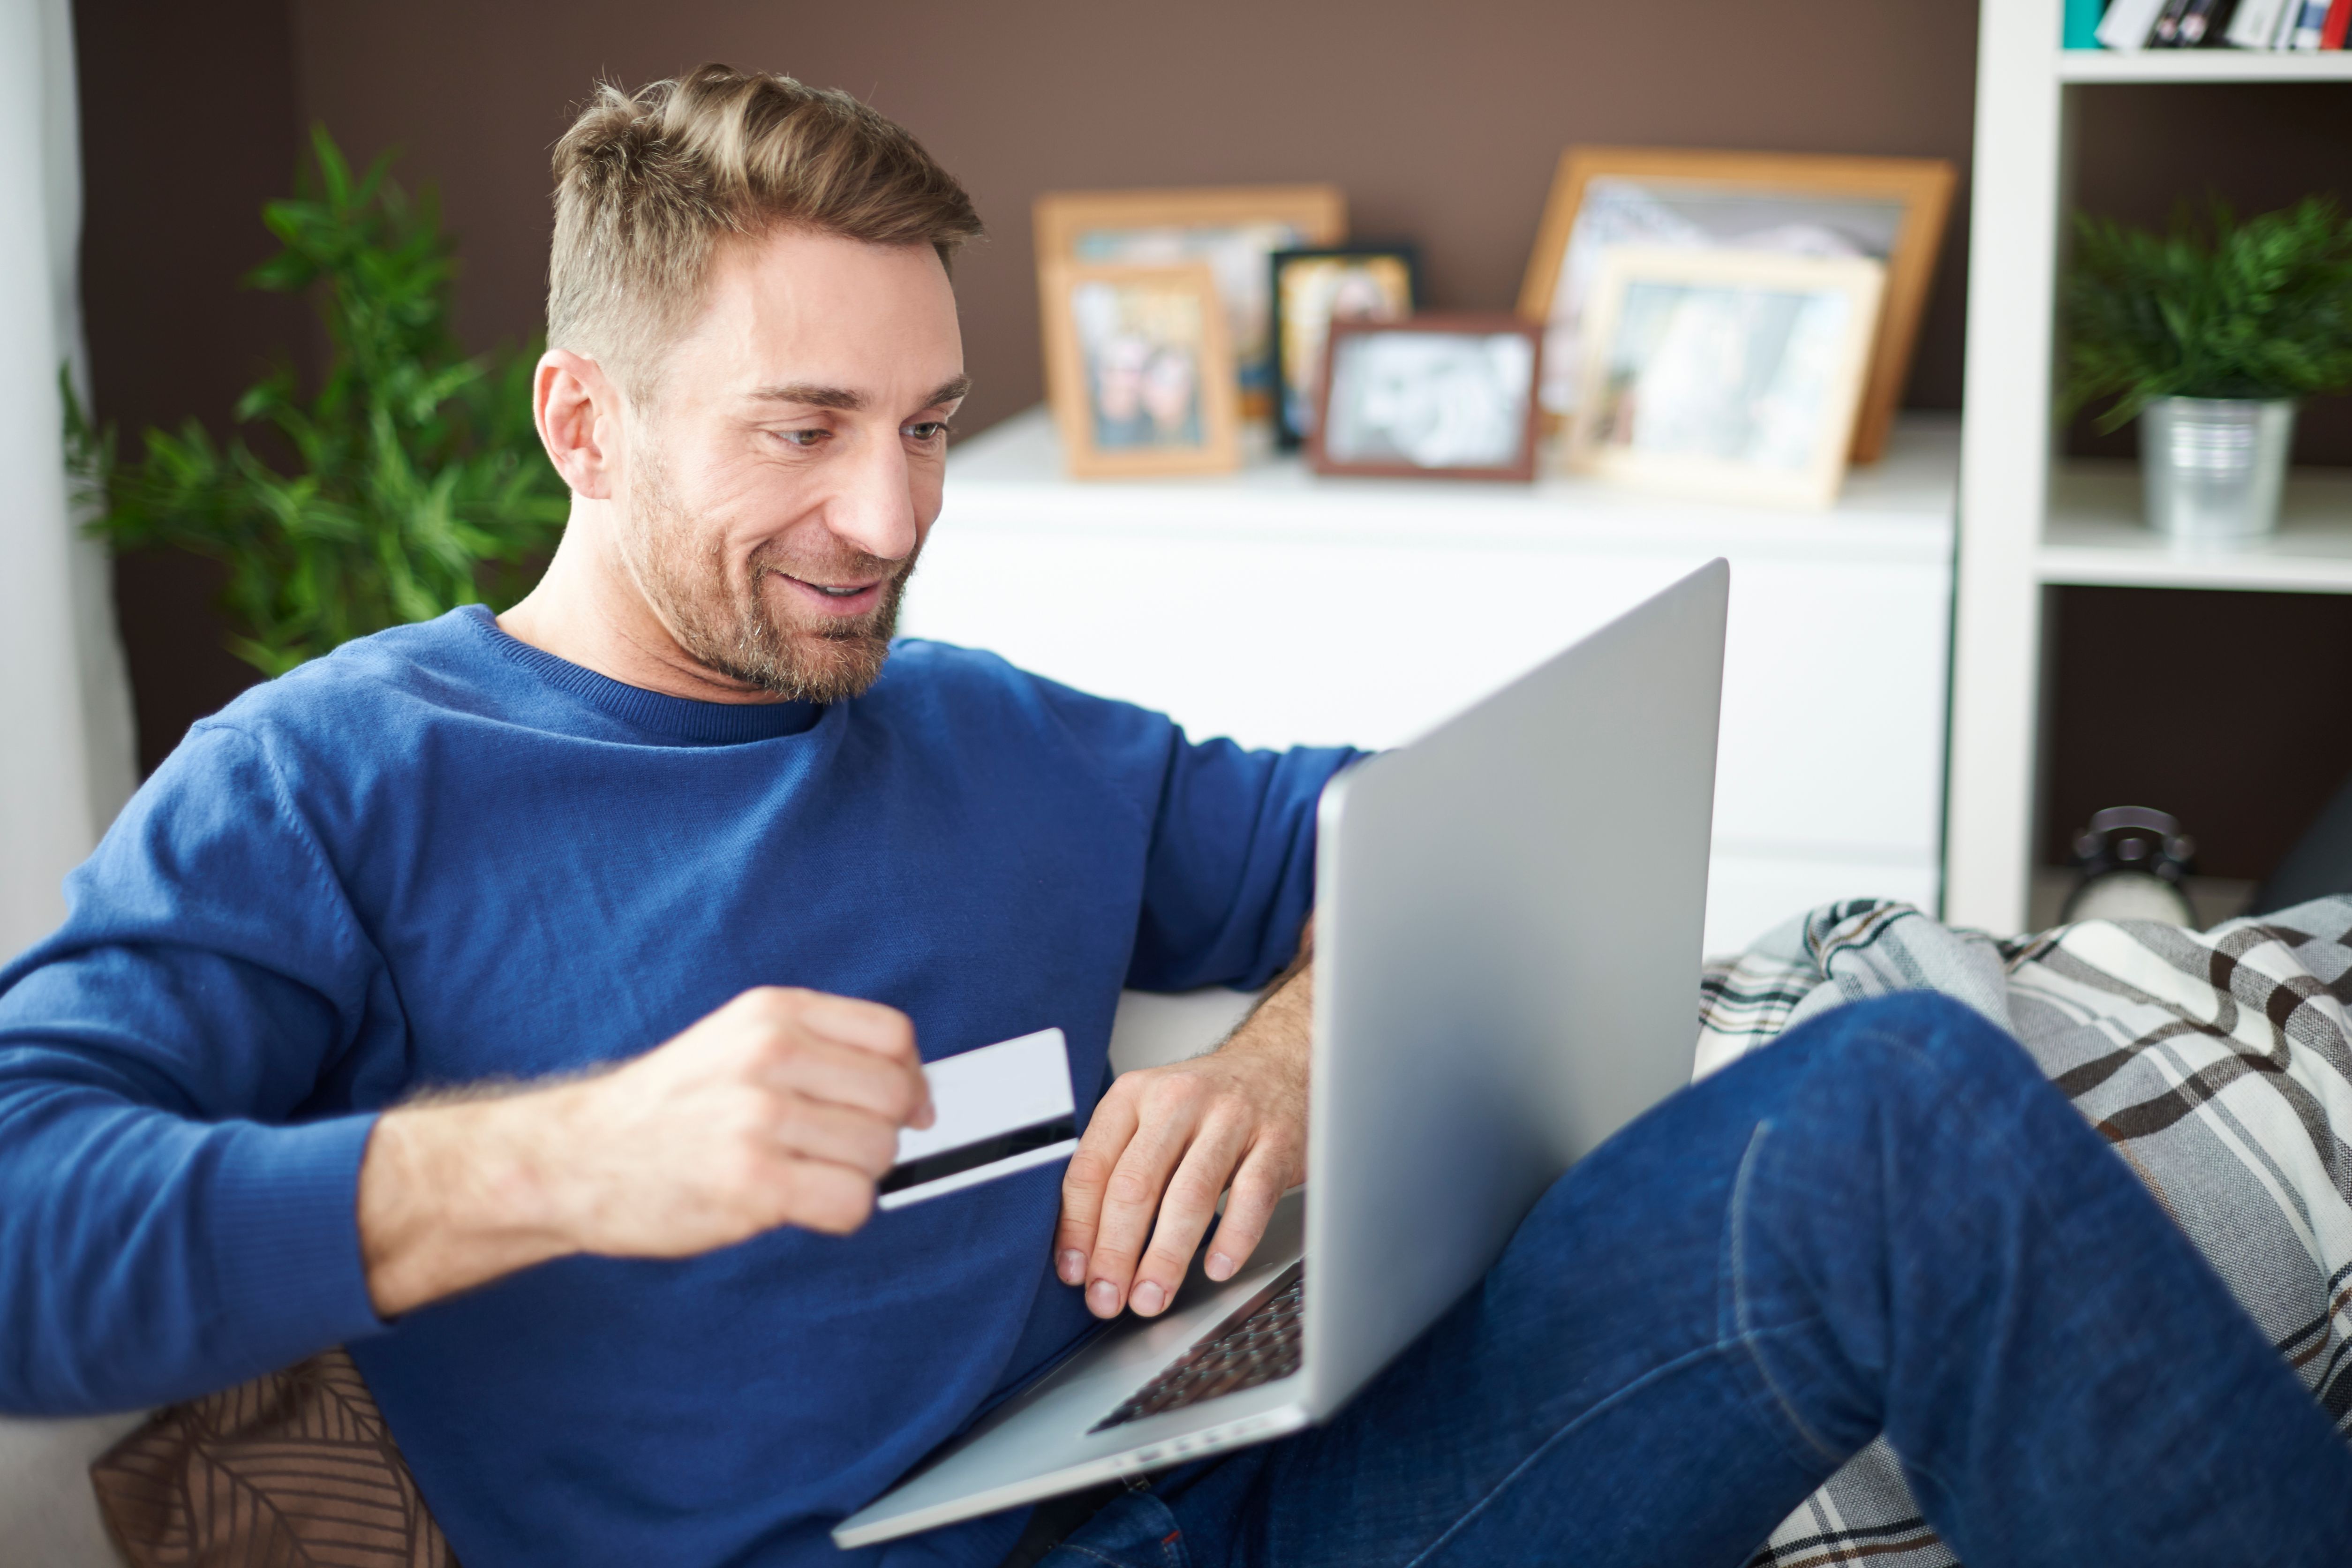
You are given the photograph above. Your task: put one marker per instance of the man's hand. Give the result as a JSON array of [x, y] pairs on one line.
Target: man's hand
[[1165, 1141], [780, 1108]]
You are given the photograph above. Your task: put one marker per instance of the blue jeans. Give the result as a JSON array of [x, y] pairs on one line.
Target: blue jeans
[[1886, 1222]]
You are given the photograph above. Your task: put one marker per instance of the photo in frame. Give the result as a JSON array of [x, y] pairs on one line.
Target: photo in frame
[[1890, 210], [1140, 371], [1729, 374], [1232, 228], [1310, 289], [1437, 396]]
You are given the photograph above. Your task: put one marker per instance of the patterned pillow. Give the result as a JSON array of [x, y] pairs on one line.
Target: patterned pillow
[[290, 1469]]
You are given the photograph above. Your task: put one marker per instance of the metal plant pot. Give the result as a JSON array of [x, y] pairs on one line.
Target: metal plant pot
[[2215, 466]]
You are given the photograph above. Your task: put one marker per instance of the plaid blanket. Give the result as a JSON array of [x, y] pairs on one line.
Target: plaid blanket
[[2219, 1066]]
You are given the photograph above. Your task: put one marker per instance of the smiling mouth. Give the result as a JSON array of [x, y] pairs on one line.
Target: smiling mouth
[[853, 597]]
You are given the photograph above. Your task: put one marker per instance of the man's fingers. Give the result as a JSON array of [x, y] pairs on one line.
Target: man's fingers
[[1185, 1210], [1258, 1187], [846, 1075], [816, 1130], [813, 1017], [1131, 1200], [1089, 1171]]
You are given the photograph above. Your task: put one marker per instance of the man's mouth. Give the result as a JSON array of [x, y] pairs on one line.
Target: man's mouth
[[838, 598]]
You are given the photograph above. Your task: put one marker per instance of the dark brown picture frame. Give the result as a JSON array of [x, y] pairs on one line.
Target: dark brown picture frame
[[1461, 323]]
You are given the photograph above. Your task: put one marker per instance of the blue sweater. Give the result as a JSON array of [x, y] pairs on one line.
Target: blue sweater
[[439, 856]]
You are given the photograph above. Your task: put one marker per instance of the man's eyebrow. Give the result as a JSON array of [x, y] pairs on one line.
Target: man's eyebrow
[[816, 396], [848, 401]]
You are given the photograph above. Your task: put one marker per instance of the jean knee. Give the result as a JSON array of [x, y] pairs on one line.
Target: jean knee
[[1918, 1043]]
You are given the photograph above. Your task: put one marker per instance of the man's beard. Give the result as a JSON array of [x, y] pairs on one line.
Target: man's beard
[[732, 629]]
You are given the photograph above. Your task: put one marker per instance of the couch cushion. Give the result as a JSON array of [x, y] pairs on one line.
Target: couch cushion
[[295, 1467]]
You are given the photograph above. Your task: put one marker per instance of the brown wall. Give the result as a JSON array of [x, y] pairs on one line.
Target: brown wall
[[1442, 129], [189, 119]]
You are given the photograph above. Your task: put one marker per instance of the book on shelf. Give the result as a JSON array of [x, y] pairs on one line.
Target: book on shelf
[[2297, 26], [2083, 23], [2129, 24], [2205, 19]]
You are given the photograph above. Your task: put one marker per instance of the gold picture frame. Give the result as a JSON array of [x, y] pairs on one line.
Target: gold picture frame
[[1899, 205], [1234, 228], [1727, 375], [1141, 370]]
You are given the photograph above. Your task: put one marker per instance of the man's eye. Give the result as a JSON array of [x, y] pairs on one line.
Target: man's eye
[[802, 438], [927, 430]]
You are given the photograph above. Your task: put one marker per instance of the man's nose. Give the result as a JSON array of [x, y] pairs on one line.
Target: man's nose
[[874, 509]]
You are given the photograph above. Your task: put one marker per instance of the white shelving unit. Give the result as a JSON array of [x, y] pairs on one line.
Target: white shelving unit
[[1279, 608], [2028, 522]]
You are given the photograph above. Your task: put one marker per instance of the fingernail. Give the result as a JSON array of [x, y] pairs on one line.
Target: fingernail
[[1220, 1266], [1148, 1298], [1072, 1266], [1102, 1297]]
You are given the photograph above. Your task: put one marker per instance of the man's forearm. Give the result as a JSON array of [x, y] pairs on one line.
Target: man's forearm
[[1281, 1024], [454, 1195], [780, 1108]]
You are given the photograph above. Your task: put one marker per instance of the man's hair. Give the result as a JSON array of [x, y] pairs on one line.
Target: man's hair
[[649, 185]]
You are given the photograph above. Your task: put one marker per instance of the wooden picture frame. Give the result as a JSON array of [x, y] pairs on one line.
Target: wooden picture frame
[[1921, 187], [1300, 337], [1376, 435], [1232, 227], [1146, 326], [1728, 375]]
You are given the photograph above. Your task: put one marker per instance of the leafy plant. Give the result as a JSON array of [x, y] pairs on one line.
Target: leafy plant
[[2258, 308], [417, 482]]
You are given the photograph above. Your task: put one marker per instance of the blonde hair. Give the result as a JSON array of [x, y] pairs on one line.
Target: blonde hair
[[649, 185]]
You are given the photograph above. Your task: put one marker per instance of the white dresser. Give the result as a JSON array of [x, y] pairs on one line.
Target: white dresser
[[1279, 608]]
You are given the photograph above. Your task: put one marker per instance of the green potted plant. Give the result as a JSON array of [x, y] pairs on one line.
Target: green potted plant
[[408, 482], [2210, 335]]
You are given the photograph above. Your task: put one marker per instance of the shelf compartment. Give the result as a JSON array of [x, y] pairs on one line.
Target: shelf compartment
[[2096, 537], [2204, 65]]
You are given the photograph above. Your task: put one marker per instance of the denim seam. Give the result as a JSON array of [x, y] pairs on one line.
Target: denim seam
[[1584, 1415], [1743, 1317], [1172, 1554]]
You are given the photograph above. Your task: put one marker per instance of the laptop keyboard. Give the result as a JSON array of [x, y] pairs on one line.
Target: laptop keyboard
[[1258, 1343]]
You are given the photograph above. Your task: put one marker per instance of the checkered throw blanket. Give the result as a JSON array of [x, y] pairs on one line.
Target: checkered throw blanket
[[2219, 1065]]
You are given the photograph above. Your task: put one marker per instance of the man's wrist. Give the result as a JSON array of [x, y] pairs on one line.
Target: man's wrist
[[454, 1194]]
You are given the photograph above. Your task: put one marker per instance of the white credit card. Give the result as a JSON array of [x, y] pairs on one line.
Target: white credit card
[[1003, 1107]]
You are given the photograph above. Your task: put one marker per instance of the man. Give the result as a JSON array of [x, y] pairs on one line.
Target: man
[[532, 1002]]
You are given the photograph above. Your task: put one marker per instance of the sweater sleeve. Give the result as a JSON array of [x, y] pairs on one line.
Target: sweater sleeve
[[179, 1199], [1232, 871]]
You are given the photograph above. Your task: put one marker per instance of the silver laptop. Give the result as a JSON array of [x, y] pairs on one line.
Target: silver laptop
[[1506, 958]]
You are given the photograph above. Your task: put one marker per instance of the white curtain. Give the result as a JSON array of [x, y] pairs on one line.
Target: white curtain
[[66, 760]]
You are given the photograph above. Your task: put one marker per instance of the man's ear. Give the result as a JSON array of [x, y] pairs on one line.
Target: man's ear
[[578, 411]]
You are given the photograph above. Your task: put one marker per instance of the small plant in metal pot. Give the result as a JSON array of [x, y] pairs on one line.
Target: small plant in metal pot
[[2210, 335]]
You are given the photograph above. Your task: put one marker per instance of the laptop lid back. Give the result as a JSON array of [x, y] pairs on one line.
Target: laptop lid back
[[1508, 949]]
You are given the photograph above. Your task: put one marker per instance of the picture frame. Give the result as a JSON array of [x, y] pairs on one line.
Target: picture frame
[[1306, 289], [1448, 395], [1732, 376], [1893, 209], [1140, 371], [1234, 228]]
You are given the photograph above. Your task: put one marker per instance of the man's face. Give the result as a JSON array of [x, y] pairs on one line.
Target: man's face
[[780, 481]]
